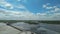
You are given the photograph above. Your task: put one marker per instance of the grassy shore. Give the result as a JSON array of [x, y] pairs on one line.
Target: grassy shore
[[31, 21]]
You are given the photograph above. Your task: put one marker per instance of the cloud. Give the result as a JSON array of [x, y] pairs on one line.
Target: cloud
[[20, 15], [26, 14], [7, 14], [53, 12], [46, 6], [57, 9], [14, 15], [20, 6], [52, 8], [5, 4]]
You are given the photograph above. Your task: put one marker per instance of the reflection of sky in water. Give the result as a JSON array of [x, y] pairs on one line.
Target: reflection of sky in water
[[24, 26], [36, 28], [45, 29]]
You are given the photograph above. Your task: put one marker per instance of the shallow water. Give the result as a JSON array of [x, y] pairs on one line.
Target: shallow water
[[49, 28], [4, 29], [24, 26], [39, 28]]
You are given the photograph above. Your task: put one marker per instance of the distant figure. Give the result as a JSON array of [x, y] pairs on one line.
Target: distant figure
[[7, 23]]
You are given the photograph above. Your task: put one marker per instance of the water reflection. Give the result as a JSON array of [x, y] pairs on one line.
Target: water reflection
[[25, 26], [37, 28]]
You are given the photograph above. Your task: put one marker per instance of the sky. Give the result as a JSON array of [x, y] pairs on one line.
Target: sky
[[29, 9]]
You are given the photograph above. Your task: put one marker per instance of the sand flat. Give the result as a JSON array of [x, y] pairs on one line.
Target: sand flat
[[4, 29]]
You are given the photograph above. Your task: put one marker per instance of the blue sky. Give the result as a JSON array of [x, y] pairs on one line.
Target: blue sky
[[30, 9]]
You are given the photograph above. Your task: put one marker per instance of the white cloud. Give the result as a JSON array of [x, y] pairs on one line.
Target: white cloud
[[53, 13], [46, 6], [42, 14], [52, 8], [20, 6], [7, 14], [5, 4], [26, 15], [20, 15], [49, 7], [57, 9]]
